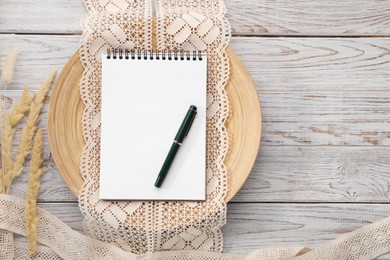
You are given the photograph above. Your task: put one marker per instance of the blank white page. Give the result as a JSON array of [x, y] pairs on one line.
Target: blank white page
[[143, 105]]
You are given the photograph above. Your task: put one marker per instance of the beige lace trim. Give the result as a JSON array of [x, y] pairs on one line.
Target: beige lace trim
[[61, 242], [143, 227]]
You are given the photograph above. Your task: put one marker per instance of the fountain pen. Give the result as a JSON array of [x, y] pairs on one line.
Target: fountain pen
[[177, 142]]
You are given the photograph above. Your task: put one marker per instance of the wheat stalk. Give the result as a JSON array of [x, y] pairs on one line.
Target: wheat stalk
[[34, 175], [8, 67], [9, 168], [29, 129], [6, 76], [1, 148], [20, 107], [2, 181], [7, 136], [12, 118]]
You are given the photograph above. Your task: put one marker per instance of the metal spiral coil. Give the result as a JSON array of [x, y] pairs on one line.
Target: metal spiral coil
[[137, 54]]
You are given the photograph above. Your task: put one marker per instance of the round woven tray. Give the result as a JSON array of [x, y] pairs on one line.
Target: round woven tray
[[243, 124]]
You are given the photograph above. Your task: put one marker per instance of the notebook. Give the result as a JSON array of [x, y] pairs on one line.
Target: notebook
[[145, 97]]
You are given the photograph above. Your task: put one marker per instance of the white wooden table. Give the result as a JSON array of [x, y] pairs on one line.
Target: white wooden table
[[322, 71]]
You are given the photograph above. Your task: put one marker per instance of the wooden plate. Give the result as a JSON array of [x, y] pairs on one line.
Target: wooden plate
[[67, 142]]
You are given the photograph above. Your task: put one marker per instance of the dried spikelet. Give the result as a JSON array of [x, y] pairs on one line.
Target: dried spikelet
[[1, 180], [21, 107], [34, 176], [2, 189], [8, 67], [29, 129], [10, 120], [36, 153], [7, 136]]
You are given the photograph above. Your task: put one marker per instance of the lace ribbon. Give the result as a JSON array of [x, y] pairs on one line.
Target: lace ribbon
[[144, 227], [61, 242]]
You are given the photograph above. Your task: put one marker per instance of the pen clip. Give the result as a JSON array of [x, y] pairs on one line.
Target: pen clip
[[189, 127]]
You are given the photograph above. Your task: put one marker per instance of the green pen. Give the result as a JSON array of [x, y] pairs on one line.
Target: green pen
[[177, 142]]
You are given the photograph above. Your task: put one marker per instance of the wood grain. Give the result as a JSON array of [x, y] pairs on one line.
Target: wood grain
[[284, 174], [335, 105], [316, 64], [252, 226], [289, 65], [286, 17], [319, 174], [326, 118]]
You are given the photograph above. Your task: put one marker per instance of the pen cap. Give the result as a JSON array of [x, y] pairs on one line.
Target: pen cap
[[186, 124]]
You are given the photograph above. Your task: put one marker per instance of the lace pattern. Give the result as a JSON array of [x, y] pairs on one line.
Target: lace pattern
[[143, 227], [61, 242]]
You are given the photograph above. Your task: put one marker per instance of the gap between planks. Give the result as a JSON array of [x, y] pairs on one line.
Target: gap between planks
[[238, 36]]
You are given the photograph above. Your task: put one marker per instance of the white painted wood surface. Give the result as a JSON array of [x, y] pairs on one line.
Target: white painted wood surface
[[297, 122], [291, 65], [256, 17], [323, 167]]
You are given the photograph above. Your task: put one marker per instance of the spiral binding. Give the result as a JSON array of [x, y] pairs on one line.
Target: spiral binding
[[150, 55]]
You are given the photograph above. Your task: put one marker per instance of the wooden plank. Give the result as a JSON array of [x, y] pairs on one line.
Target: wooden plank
[[284, 174], [252, 226], [324, 115], [41, 16], [322, 132], [286, 17], [318, 174], [326, 118], [306, 65], [316, 64], [53, 187], [306, 17], [38, 56]]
